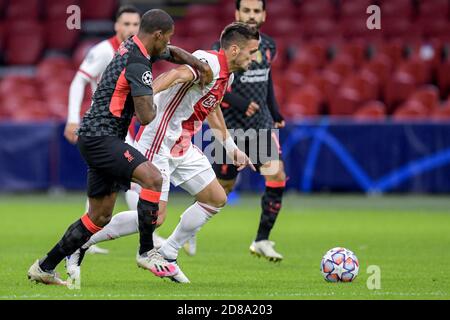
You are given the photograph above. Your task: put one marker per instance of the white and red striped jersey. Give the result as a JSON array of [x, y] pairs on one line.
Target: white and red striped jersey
[[182, 108]]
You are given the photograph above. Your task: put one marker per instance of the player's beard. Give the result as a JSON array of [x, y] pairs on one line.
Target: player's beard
[[253, 23]]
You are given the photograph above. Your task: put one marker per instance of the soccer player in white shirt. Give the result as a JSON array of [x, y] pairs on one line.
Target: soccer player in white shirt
[[182, 105]]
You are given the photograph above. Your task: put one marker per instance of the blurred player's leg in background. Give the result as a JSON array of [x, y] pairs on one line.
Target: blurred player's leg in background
[[273, 172]]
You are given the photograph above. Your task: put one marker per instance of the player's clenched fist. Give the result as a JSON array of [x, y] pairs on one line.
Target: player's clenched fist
[[241, 160], [69, 132]]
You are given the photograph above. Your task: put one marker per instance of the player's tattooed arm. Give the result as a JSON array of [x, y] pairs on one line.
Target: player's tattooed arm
[[144, 108], [172, 77], [180, 56]]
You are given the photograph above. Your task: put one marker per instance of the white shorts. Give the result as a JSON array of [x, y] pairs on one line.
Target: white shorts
[[192, 171]]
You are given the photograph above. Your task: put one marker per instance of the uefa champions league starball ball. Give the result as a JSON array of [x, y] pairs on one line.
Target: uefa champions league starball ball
[[339, 265]]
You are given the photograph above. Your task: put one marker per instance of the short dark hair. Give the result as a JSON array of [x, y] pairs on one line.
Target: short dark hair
[[156, 19], [126, 9], [237, 33], [238, 4]]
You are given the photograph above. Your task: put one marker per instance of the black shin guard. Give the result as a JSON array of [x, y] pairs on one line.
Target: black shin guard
[[271, 205], [147, 216], [76, 235]]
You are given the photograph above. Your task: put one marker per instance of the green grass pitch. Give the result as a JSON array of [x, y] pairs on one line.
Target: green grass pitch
[[406, 236]]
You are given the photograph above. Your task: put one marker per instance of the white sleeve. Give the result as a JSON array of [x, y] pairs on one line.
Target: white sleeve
[[97, 60], [76, 94], [90, 69], [208, 58]]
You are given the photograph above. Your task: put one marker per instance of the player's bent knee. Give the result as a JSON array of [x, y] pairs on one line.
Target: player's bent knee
[[219, 200], [101, 220], [152, 178]]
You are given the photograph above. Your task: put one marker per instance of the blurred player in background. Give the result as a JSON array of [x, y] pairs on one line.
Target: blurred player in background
[[90, 71], [251, 104], [182, 106]]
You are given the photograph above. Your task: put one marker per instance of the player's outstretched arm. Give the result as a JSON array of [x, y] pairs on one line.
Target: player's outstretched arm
[[217, 124], [172, 77], [180, 56]]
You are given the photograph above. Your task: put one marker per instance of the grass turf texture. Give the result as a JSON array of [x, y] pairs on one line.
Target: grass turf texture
[[407, 237]]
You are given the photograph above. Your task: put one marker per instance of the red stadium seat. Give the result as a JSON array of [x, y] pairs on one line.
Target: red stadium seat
[[354, 8], [2, 7], [317, 49], [380, 65], [23, 26], [434, 26], [434, 9], [398, 88], [226, 12], [418, 68], [393, 27], [181, 27], [25, 48], [204, 26], [187, 43], [343, 65], [356, 28], [391, 8], [21, 86], [394, 49], [57, 9], [104, 9], [2, 38], [54, 67], [365, 83], [345, 102], [31, 110], [428, 96], [355, 49], [200, 12], [280, 27], [304, 63], [280, 10], [58, 36], [442, 112], [443, 77], [317, 9], [327, 82], [23, 9], [370, 111], [318, 28], [411, 110], [280, 95], [303, 102], [290, 79]]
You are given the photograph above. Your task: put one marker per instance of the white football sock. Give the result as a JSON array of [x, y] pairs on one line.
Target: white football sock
[[121, 224], [190, 223], [132, 196]]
